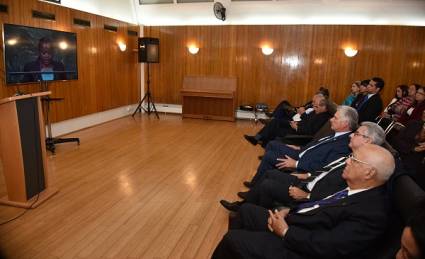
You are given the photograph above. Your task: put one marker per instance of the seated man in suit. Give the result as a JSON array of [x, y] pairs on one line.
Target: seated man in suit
[[371, 105], [315, 154], [287, 189], [309, 124], [343, 225], [362, 93]]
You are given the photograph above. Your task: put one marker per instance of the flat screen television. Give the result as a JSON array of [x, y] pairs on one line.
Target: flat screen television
[[36, 54]]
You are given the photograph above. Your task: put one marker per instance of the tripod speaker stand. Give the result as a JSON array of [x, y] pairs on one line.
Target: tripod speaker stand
[[149, 99]]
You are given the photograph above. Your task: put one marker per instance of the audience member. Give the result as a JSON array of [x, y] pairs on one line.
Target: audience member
[[362, 93], [410, 143], [371, 105], [287, 189], [413, 238], [355, 89], [400, 92], [343, 225], [314, 155], [415, 112], [397, 109], [309, 124]]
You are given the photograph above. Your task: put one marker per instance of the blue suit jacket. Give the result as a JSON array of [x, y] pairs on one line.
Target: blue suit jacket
[[321, 155]]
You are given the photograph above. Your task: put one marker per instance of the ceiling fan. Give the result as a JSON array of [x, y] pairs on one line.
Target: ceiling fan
[[219, 11]]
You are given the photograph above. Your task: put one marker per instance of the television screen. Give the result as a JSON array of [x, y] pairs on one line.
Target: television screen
[[35, 54]]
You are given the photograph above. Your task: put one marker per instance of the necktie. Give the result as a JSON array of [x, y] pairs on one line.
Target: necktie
[[327, 169], [328, 200], [364, 100], [318, 143]]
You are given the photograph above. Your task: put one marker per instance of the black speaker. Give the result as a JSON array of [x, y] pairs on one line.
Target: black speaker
[[149, 50]]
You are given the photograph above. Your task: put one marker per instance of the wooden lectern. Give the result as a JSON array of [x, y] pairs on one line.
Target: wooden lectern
[[23, 151]]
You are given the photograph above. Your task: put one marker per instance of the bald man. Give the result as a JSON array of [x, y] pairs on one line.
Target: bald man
[[343, 225]]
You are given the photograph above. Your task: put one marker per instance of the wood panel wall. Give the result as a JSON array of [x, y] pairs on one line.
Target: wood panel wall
[[107, 77], [395, 53]]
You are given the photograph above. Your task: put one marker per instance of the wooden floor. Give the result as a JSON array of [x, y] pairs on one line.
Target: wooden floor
[[136, 188]]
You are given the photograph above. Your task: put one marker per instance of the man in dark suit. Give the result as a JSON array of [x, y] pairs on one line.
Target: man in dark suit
[[288, 189], [344, 225], [313, 156], [316, 154], [310, 123], [371, 105]]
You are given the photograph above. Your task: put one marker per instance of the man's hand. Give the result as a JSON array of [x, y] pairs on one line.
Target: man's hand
[[300, 110], [297, 194], [301, 176], [293, 125], [277, 223], [293, 147], [420, 148], [286, 162]]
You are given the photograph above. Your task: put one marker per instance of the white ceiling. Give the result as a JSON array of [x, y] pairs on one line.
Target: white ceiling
[[379, 12]]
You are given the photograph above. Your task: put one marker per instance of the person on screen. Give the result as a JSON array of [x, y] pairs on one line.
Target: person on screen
[[45, 67]]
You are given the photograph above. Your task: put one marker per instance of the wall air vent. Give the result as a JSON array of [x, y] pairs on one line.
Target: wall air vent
[[81, 22], [4, 8], [110, 28], [43, 15], [132, 33]]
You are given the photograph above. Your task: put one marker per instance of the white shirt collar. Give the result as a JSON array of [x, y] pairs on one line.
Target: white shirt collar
[[337, 134]]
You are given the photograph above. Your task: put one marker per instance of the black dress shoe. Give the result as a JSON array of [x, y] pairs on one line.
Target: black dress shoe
[[243, 195], [251, 139], [248, 184], [232, 206]]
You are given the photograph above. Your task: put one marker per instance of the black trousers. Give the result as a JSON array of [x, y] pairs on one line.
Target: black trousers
[[275, 128], [254, 239], [273, 188]]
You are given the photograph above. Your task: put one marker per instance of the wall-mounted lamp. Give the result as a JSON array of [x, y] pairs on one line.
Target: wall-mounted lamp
[[122, 46], [350, 52], [266, 50], [193, 49]]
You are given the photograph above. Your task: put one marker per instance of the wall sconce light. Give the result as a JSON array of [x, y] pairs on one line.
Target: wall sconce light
[[122, 46], [267, 50], [350, 52], [193, 49]]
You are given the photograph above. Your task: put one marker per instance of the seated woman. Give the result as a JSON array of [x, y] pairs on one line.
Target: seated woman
[[309, 124], [355, 89], [410, 143], [398, 108], [415, 112]]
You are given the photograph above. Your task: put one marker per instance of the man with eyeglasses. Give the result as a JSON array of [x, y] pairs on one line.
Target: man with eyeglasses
[[289, 189], [311, 122], [344, 225]]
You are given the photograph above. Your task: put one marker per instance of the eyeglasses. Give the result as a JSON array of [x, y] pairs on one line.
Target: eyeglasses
[[420, 93], [352, 158], [356, 133]]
